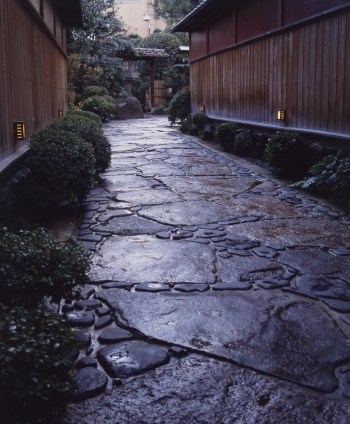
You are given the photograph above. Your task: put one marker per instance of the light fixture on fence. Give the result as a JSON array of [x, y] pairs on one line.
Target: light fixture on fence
[[202, 108], [60, 113], [281, 114], [19, 130]]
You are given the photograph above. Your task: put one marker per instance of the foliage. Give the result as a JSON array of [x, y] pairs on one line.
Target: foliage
[[225, 134], [35, 382], [94, 90], [200, 119], [101, 105], [85, 114], [92, 134], [62, 165], [180, 105], [159, 40], [173, 10], [97, 45], [284, 150], [33, 265], [159, 110], [331, 175]]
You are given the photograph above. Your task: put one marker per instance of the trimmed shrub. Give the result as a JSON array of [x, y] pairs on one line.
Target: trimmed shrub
[[62, 165], [331, 176], [199, 119], [88, 130], [94, 90], [35, 383], [33, 265], [180, 105], [101, 105], [85, 114], [285, 150], [225, 134], [159, 110]]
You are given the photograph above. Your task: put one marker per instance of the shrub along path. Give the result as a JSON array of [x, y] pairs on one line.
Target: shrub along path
[[229, 292]]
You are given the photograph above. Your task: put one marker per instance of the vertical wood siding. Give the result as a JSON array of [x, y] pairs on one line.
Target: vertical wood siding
[[33, 76], [304, 70]]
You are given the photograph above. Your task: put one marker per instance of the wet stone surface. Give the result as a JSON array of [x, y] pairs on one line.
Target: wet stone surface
[[194, 251]]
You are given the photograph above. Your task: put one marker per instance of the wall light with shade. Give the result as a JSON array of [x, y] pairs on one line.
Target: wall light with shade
[[19, 130], [281, 114], [60, 113], [202, 108]]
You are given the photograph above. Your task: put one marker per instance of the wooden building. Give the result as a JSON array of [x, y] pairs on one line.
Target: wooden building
[[33, 68], [251, 58]]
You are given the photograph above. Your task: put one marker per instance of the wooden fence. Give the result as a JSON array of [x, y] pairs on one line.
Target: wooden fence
[[33, 75], [304, 70], [159, 92]]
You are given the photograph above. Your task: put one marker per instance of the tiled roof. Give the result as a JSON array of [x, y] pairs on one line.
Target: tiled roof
[[179, 26], [150, 52]]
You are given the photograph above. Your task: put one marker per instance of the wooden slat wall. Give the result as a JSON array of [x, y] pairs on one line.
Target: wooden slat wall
[[305, 70], [33, 76]]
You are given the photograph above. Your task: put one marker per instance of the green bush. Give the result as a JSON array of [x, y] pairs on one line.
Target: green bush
[[85, 114], [35, 381], [225, 134], [158, 110], [88, 130], [180, 105], [200, 119], [94, 90], [33, 265], [62, 165], [331, 175], [101, 105], [285, 150]]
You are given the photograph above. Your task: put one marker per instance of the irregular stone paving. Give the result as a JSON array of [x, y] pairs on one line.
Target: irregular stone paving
[[217, 294]]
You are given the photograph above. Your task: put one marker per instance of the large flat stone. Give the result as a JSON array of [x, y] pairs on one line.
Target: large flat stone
[[132, 225], [317, 262], [200, 390], [122, 183], [211, 187], [159, 169], [149, 197], [186, 213], [271, 332], [147, 259], [306, 232], [129, 358]]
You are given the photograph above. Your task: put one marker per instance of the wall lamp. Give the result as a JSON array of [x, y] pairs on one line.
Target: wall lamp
[[60, 113], [19, 130], [202, 108], [281, 114]]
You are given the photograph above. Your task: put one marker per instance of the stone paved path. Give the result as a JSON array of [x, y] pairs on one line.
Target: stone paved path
[[218, 294]]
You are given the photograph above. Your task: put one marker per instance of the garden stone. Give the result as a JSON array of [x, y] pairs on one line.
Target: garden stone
[[102, 311], [186, 125], [85, 362], [67, 308], [191, 228], [208, 132], [337, 305], [182, 235], [322, 286], [90, 382], [275, 246], [126, 359], [91, 238], [238, 252], [200, 240], [89, 305], [72, 354], [203, 233], [249, 219], [83, 292], [340, 252], [127, 108], [299, 292], [113, 335], [91, 206], [115, 214], [117, 285], [193, 130], [152, 287], [164, 235], [103, 322], [80, 319], [231, 286], [187, 288], [273, 284], [265, 252], [243, 143], [82, 337]]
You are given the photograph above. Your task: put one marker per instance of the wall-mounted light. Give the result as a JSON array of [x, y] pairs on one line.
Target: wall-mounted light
[[60, 113], [281, 114], [19, 130], [202, 108]]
